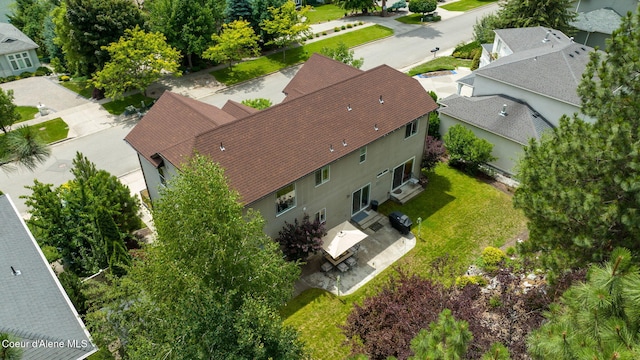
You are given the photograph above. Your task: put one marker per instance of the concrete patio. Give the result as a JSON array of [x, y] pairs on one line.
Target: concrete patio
[[377, 252]]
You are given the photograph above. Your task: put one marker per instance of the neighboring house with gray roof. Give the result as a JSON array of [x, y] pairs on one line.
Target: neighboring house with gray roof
[[35, 308], [17, 52], [597, 19], [534, 70], [328, 150]]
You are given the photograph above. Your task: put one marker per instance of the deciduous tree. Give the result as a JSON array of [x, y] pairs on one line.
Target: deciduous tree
[[236, 42], [287, 25], [212, 276], [357, 5], [258, 103], [465, 149], [136, 60], [579, 185], [343, 54], [8, 113], [434, 150], [423, 6]]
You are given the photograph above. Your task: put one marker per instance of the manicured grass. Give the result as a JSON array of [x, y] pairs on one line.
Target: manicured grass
[[117, 107], [414, 19], [441, 63], [267, 64], [53, 130], [322, 13], [26, 112], [80, 86], [460, 216], [464, 5]]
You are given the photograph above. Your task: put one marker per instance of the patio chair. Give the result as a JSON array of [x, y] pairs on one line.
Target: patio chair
[[342, 267], [326, 267], [351, 262]]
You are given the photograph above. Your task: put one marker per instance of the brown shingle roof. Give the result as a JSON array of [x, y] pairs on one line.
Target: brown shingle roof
[[172, 120], [237, 109], [274, 147], [317, 73]]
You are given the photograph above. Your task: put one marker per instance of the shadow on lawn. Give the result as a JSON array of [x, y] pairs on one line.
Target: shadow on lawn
[[307, 297]]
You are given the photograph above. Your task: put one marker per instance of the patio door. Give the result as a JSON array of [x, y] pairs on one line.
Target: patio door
[[360, 199], [402, 173]]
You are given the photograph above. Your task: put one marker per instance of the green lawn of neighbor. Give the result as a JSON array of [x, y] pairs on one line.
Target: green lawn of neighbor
[[441, 63], [322, 13], [413, 19], [26, 112], [267, 64], [80, 86], [464, 5], [460, 216], [117, 107], [52, 130]]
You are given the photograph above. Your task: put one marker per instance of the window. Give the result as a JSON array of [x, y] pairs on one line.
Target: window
[[411, 128], [321, 216], [402, 173], [322, 175], [363, 154], [19, 61], [360, 199], [285, 199], [162, 175], [382, 173]]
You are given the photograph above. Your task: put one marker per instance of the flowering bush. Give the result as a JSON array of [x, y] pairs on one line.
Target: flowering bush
[[298, 240]]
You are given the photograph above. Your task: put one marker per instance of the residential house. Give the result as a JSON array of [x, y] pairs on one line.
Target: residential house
[[525, 84], [17, 52], [35, 309], [341, 138], [597, 19]]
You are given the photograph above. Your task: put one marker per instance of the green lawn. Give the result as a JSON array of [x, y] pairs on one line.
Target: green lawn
[[267, 64], [117, 107], [441, 63], [53, 130], [464, 5], [461, 215], [322, 13], [413, 19], [26, 112], [80, 86]]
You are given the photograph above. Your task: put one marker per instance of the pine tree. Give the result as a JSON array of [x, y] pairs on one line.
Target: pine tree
[[446, 339]]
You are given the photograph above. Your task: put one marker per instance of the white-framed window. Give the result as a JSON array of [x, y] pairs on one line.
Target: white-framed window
[[162, 175], [19, 61], [321, 216], [382, 173], [322, 175], [363, 154], [285, 199], [411, 129]]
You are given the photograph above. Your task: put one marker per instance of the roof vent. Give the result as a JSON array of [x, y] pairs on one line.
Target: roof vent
[[375, 127], [331, 148], [222, 148], [9, 40], [15, 272], [546, 37], [380, 100], [503, 112], [349, 107], [583, 48], [571, 55], [535, 58], [344, 142], [577, 52]]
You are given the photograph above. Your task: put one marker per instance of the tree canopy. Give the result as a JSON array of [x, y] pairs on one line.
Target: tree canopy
[[136, 60], [423, 6], [555, 14], [579, 185], [8, 113], [447, 339], [466, 149], [212, 276], [236, 42], [286, 25], [343, 54]]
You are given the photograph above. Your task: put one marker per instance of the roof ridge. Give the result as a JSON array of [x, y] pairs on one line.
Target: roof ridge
[[187, 102]]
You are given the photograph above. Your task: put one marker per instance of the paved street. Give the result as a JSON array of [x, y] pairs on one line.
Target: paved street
[[99, 135]]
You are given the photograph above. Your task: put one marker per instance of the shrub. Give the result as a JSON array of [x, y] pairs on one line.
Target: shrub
[[349, 26], [466, 150], [73, 287], [12, 78], [42, 71], [317, 35], [476, 61], [462, 281], [57, 65], [491, 258], [434, 125], [360, 23], [298, 240], [343, 27], [336, 29], [64, 78], [467, 51], [324, 33], [433, 151], [26, 74], [511, 251], [259, 103], [495, 302], [51, 253]]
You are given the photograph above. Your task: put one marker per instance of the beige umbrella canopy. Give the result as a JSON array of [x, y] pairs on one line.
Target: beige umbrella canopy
[[340, 238]]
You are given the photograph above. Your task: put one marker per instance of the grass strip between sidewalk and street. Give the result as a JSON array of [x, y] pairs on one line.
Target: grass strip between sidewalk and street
[[52, 130], [461, 215], [117, 107], [441, 63], [464, 5], [267, 64]]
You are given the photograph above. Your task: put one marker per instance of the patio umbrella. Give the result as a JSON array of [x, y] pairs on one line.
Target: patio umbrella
[[340, 238]]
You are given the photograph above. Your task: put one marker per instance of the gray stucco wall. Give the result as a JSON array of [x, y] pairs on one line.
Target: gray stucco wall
[[549, 108], [346, 176], [508, 152]]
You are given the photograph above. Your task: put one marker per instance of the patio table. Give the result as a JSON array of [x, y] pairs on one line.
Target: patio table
[[339, 259]]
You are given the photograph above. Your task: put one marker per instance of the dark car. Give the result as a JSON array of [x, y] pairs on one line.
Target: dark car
[[400, 222]]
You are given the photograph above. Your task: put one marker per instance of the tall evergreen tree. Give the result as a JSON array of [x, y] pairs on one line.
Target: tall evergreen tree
[[580, 185], [556, 14], [599, 319], [446, 339]]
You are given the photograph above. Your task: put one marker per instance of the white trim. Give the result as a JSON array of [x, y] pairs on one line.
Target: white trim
[[414, 131], [321, 216], [361, 154], [322, 179]]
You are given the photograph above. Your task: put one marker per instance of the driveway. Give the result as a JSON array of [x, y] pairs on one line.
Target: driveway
[[41, 89]]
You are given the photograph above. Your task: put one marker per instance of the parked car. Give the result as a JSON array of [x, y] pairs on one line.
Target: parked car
[[400, 222]]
